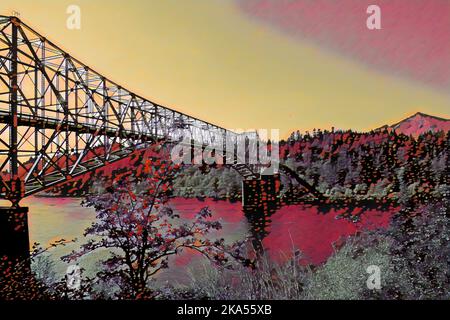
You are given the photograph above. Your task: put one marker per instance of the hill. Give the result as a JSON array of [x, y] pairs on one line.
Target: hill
[[420, 123]]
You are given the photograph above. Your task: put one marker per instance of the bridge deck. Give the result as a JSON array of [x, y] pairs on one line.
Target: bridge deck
[[28, 120]]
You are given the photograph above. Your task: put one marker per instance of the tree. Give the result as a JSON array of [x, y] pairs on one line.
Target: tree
[[136, 223]]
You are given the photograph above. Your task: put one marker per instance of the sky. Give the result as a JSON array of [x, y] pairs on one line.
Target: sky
[[264, 64]]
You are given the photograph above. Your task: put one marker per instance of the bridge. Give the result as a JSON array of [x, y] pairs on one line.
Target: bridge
[[60, 119]]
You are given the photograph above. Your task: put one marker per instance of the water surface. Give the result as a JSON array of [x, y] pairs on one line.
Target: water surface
[[304, 227]]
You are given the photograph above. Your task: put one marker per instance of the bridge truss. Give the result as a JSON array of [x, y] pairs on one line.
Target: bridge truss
[[60, 119]]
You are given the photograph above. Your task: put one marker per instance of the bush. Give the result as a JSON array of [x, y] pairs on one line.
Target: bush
[[344, 275], [266, 281], [421, 253]]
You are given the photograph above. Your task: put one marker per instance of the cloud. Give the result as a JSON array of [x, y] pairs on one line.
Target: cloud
[[414, 40]]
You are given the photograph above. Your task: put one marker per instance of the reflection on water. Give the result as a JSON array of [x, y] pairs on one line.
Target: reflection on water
[[312, 228], [259, 223]]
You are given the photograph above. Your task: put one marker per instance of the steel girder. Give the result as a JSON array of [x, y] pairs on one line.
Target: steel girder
[[60, 119]]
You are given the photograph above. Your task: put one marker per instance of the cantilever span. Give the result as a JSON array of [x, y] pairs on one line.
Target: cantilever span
[[59, 118]]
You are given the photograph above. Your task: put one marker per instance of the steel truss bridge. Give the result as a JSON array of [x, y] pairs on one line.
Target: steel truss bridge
[[60, 119]]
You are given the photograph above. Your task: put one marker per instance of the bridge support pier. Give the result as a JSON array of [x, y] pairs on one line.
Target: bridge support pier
[[260, 199], [261, 192], [14, 239]]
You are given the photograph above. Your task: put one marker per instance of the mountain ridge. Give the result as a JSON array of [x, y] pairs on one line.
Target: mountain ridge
[[418, 124]]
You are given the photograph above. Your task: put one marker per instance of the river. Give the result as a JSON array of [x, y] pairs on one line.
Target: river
[[304, 227]]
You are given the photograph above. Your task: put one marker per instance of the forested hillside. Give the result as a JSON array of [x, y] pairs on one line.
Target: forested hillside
[[370, 165]]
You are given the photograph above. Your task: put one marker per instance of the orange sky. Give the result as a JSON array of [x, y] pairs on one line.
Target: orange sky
[[211, 60]]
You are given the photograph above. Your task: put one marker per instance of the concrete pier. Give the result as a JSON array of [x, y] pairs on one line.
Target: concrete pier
[[14, 238]]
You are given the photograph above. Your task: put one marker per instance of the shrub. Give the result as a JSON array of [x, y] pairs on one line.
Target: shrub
[[344, 275]]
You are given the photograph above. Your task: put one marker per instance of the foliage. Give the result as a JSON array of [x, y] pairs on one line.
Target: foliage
[[344, 275], [374, 165], [266, 281], [217, 183], [413, 256], [136, 223], [420, 253], [34, 278]]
